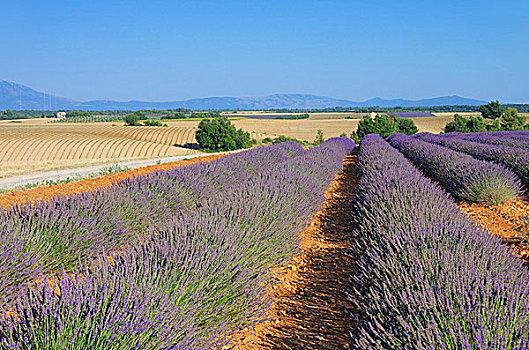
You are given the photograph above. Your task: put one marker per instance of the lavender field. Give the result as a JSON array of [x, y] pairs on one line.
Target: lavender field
[[184, 259]]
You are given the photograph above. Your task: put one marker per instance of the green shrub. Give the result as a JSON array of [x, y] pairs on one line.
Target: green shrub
[[319, 138], [462, 124], [175, 115], [132, 120], [383, 125], [219, 135], [152, 123], [510, 120], [406, 126]]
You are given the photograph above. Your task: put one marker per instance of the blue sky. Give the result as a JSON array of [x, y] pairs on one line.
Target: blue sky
[[172, 50]]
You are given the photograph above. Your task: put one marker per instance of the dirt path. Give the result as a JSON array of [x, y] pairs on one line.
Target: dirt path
[[309, 309], [37, 194], [58, 175]]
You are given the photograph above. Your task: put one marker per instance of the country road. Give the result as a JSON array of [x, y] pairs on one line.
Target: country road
[[58, 175]]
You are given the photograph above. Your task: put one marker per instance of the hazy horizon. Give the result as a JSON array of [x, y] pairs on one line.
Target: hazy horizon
[[164, 51]]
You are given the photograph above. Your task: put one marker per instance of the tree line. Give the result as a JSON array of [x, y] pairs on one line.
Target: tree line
[[494, 117]]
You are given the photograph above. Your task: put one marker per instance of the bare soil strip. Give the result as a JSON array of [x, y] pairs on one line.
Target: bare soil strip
[[503, 220], [309, 309], [43, 193]]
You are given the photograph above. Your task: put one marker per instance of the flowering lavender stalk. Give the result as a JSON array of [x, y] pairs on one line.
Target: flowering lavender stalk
[[463, 176], [426, 277]]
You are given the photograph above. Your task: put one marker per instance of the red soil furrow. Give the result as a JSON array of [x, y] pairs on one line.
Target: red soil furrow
[[43, 193], [309, 309], [503, 220]]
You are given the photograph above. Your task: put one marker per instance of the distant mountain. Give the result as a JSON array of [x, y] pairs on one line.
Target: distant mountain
[[255, 103], [16, 96], [453, 100]]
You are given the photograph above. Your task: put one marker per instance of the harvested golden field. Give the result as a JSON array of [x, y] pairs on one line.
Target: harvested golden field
[[303, 129], [306, 129], [432, 124], [26, 148], [315, 116]]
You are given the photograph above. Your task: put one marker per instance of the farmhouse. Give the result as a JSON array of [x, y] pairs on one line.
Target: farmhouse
[[61, 115]]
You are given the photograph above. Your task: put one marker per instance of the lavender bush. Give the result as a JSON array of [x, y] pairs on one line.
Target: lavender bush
[[463, 176], [413, 114], [201, 273], [515, 159], [427, 278], [17, 267], [497, 140]]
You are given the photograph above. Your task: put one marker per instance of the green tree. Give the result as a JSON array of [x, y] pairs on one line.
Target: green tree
[[219, 135], [175, 115], [242, 139], [462, 124], [492, 110], [319, 138], [132, 119], [384, 125], [495, 126], [511, 120], [406, 126], [459, 124], [365, 126], [476, 124]]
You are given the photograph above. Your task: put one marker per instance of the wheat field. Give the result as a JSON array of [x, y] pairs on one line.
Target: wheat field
[[31, 148]]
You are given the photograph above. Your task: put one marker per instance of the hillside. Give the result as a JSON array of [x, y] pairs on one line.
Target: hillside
[[20, 97]]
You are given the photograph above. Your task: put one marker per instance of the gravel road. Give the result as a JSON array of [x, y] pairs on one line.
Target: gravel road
[[57, 175]]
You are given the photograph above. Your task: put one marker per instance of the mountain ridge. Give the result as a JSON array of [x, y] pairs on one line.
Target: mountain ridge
[[21, 97]]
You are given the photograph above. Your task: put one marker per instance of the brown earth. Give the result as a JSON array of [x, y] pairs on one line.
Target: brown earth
[[503, 220], [309, 303], [43, 193]]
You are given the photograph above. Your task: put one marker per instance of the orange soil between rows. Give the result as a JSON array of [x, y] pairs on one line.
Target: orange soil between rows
[[503, 220], [309, 304], [67, 189]]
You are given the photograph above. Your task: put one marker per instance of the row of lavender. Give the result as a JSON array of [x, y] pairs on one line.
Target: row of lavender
[[427, 278], [62, 232], [508, 148], [202, 262], [499, 138], [465, 177]]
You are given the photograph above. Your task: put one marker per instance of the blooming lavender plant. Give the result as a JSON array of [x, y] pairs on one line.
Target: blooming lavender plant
[[515, 159], [17, 267], [200, 274], [498, 140], [463, 176], [426, 277]]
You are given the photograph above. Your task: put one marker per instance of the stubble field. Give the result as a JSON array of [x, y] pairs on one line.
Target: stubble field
[[28, 147]]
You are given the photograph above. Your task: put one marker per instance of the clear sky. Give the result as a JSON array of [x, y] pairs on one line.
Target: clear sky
[[170, 50]]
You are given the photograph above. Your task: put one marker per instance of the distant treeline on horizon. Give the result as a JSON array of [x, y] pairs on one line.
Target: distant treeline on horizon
[[21, 114]]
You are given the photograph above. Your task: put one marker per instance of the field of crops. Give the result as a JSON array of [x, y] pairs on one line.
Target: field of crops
[[214, 255], [30, 148], [90, 119]]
